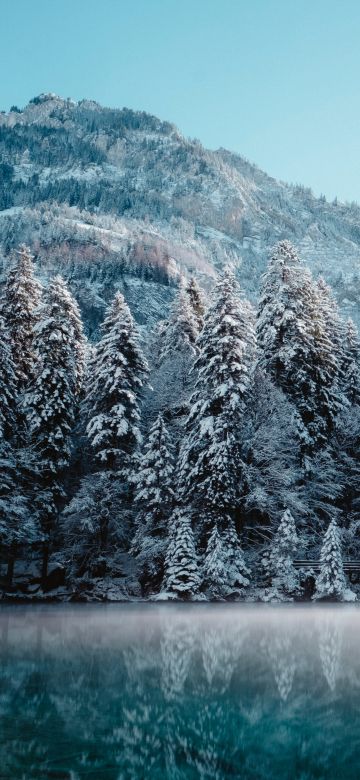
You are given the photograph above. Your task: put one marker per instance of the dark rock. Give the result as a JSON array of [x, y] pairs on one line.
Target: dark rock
[[55, 578]]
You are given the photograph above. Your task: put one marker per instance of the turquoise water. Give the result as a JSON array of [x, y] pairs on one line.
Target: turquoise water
[[157, 691]]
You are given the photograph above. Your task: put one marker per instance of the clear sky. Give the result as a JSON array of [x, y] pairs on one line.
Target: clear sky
[[276, 80]]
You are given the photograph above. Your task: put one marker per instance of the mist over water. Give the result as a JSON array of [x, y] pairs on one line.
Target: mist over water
[[147, 691]]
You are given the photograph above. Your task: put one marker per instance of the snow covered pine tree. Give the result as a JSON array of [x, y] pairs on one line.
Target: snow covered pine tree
[[117, 371], [50, 405], [352, 364], [181, 579], [78, 341], [224, 568], [331, 582], [278, 559], [197, 302], [17, 525], [154, 500], [296, 347], [210, 459], [94, 526], [171, 379], [21, 299]]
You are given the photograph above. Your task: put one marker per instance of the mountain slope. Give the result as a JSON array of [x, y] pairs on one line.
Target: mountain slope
[[117, 198]]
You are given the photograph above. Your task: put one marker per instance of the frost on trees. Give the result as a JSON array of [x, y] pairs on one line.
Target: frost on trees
[[278, 560], [347, 476], [50, 404], [295, 346], [331, 581], [172, 378], [210, 455], [335, 326], [181, 577], [94, 525], [8, 388], [117, 372], [215, 565], [182, 328], [21, 298], [17, 525], [154, 498], [270, 453], [50, 401], [197, 302], [352, 364], [78, 341], [238, 572], [224, 568]]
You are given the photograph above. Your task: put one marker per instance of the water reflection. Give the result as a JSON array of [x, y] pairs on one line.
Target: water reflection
[[330, 641], [128, 692]]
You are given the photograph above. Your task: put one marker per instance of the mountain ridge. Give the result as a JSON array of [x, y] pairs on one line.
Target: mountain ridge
[[130, 190]]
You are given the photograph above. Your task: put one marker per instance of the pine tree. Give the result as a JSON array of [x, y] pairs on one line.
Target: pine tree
[[197, 302], [332, 352], [50, 405], [336, 327], [172, 379], [279, 559], [210, 458], [326, 365], [117, 372], [352, 364], [22, 297], [154, 499], [50, 400], [8, 388], [279, 308], [238, 572], [224, 567], [181, 564], [331, 582], [16, 521], [272, 476], [95, 524], [182, 329], [296, 350], [215, 564], [78, 341]]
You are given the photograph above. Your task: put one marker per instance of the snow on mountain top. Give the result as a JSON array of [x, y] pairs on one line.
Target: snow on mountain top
[[177, 199]]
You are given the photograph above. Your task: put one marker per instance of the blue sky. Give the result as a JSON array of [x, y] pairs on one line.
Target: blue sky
[[275, 80]]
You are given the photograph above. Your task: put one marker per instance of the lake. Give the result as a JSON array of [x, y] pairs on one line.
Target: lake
[[174, 691]]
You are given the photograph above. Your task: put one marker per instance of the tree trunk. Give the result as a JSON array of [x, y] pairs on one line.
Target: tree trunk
[[11, 565]]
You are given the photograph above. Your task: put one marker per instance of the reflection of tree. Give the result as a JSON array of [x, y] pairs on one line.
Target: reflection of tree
[[282, 660], [221, 652], [177, 694], [207, 743], [137, 740], [177, 647], [252, 711], [29, 704], [330, 643]]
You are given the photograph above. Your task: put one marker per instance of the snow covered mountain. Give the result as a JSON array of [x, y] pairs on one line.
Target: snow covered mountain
[[117, 199]]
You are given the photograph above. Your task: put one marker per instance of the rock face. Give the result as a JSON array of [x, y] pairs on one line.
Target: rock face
[[117, 199]]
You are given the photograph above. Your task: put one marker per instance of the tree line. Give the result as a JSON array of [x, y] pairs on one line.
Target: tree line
[[210, 456]]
